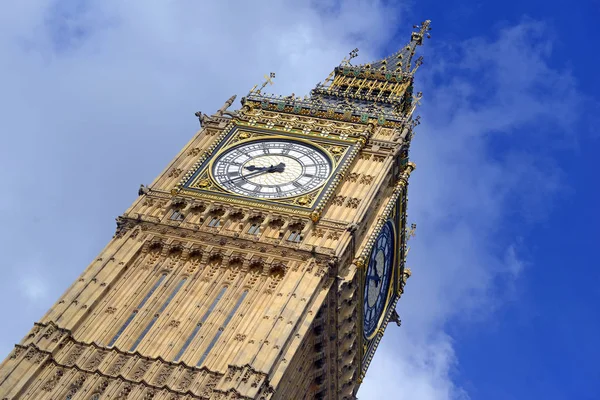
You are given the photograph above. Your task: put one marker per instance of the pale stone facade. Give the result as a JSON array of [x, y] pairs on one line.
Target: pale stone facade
[[178, 306]]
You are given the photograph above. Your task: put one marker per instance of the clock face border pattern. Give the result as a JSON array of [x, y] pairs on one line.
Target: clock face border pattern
[[198, 181]]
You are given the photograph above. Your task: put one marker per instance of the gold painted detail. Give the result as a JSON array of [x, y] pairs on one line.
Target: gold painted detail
[[205, 187], [304, 125], [204, 183]]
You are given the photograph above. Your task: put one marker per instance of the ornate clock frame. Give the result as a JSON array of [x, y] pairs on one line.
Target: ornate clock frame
[[198, 181]]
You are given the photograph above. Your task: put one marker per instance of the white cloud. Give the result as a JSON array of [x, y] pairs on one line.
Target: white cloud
[[466, 258], [99, 95], [33, 287]]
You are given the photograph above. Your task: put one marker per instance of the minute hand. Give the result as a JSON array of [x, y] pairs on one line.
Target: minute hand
[[262, 171], [273, 168]]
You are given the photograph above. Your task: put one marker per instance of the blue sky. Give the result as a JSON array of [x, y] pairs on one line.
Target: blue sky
[[97, 97]]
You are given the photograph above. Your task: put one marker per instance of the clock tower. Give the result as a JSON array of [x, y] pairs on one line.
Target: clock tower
[[265, 262]]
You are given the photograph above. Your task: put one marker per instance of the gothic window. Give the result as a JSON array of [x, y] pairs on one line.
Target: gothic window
[[177, 215], [157, 315], [200, 323], [214, 222], [222, 328], [294, 237], [254, 229], [139, 307]]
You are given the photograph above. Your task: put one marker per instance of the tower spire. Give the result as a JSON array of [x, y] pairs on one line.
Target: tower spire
[[380, 91], [401, 60]]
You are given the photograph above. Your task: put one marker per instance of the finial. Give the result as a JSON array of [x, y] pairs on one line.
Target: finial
[[424, 29], [411, 233], [352, 54], [268, 80], [227, 104]]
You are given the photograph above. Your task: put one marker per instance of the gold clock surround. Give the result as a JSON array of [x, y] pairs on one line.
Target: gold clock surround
[[200, 182]]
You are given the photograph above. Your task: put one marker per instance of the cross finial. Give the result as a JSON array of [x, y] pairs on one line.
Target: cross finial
[[411, 232], [352, 54], [268, 80]]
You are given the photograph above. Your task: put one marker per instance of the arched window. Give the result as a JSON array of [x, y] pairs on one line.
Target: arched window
[[295, 237], [95, 396], [254, 229], [214, 222], [177, 216]]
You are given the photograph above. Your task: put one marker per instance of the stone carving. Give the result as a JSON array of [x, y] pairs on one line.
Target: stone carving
[[257, 380], [140, 369], [339, 200], [76, 352], [175, 172], [118, 364], [163, 375], [353, 202], [207, 390], [30, 354], [16, 352], [186, 380], [40, 356], [51, 383], [34, 331], [58, 337], [366, 179], [94, 361], [194, 152], [124, 392], [101, 387]]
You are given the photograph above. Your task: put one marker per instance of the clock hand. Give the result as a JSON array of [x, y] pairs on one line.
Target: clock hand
[[277, 168], [260, 170], [255, 168], [250, 175]]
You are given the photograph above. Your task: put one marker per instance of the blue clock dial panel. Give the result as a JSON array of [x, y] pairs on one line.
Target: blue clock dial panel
[[378, 278]]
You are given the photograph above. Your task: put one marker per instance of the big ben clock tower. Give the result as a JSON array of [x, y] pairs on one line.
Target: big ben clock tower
[[265, 262]]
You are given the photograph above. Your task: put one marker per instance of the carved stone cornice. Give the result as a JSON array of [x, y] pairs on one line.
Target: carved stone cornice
[[223, 238]]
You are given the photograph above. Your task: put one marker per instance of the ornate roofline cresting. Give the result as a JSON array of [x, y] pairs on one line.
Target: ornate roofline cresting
[[380, 92]]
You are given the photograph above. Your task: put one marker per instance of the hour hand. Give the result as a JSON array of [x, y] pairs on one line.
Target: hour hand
[[277, 168], [254, 168]]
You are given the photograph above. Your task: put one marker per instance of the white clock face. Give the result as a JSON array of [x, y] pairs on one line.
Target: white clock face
[[272, 168]]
